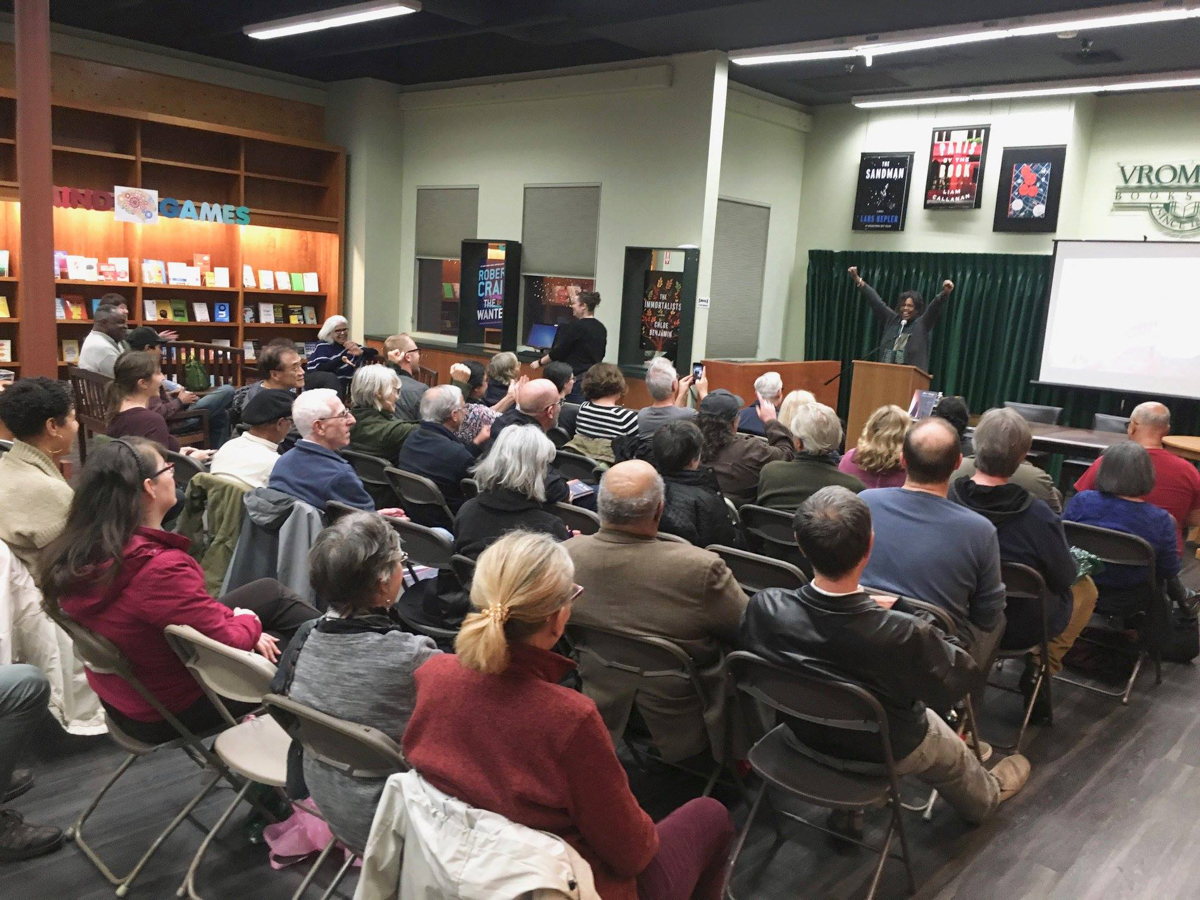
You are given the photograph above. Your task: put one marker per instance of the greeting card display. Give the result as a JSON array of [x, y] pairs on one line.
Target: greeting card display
[[882, 197], [956, 158], [1030, 188]]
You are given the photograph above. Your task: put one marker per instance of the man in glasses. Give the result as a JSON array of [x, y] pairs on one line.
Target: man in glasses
[[313, 471], [404, 358], [251, 457]]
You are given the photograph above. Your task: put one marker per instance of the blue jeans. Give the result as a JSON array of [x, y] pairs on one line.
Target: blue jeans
[[217, 402], [24, 695]]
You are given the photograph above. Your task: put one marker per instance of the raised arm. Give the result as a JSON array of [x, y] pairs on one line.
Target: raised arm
[[934, 311], [883, 312]]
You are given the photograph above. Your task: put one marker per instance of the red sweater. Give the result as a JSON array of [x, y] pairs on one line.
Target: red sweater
[[520, 745], [158, 585]]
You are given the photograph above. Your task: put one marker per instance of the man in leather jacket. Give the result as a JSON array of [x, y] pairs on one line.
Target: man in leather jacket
[[832, 625]]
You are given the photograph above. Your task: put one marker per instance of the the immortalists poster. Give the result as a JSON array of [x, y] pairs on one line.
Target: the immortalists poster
[[490, 309], [1030, 187], [882, 197], [956, 158], [662, 306]]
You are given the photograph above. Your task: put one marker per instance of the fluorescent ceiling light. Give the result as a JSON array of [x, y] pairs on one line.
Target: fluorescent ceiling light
[[332, 18], [1145, 83], [803, 56], [949, 40], [1144, 18]]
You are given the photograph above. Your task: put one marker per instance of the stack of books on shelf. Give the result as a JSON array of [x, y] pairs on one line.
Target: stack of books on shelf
[[176, 310], [279, 280], [72, 267], [5, 350], [278, 314], [5, 312]]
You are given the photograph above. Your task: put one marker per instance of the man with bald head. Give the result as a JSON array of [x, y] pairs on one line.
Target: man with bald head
[[1176, 481], [634, 582], [929, 548], [538, 405]]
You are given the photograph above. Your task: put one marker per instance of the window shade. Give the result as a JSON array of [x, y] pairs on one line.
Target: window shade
[[559, 230], [739, 261], [445, 217]]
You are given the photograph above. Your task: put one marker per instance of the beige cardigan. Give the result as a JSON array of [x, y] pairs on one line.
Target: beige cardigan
[[34, 498]]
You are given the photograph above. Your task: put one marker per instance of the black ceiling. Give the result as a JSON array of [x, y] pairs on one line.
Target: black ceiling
[[456, 39]]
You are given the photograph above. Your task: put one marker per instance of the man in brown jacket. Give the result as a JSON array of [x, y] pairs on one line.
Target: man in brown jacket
[[634, 582], [737, 459]]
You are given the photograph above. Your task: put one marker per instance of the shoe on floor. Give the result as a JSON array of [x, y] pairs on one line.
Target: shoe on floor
[[21, 781], [985, 749], [19, 840], [1012, 772]]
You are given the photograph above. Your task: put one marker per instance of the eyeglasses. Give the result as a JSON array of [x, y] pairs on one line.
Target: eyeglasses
[[344, 414], [169, 467], [577, 590]]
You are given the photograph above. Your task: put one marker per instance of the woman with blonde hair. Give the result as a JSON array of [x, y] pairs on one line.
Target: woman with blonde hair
[[876, 460], [502, 369], [494, 727]]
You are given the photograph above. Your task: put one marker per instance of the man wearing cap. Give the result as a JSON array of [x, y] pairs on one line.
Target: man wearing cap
[[737, 459], [251, 456]]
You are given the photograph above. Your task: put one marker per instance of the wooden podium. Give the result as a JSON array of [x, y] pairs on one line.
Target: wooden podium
[[877, 384], [810, 375]]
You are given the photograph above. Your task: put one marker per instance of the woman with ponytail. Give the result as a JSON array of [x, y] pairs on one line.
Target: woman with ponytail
[[494, 727], [137, 378], [117, 573]]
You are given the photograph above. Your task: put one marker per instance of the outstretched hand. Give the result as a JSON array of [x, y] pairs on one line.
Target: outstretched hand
[[947, 286], [853, 270]]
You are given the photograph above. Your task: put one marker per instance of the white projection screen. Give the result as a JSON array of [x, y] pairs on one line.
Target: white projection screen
[[1124, 316]]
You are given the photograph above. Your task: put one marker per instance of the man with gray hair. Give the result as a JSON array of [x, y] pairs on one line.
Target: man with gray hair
[[817, 433], [435, 452], [633, 581], [670, 394], [1176, 481], [312, 470], [767, 387]]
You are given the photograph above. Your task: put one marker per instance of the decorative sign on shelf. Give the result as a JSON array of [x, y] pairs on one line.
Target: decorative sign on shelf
[[1169, 192], [882, 197], [145, 207]]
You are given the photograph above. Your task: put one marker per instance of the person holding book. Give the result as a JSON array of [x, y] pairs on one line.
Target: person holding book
[[172, 398]]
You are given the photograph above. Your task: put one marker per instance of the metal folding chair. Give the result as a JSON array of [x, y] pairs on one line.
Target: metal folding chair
[[577, 518], [671, 538], [371, 470], [754, 572], [470, 487], [185, 468], [1025, 586], [463, 568], [576, 465], [417, 491], [770, 533]]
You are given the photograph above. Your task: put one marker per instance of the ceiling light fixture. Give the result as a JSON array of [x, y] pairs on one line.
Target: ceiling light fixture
[[332, 18], [1019, 91]]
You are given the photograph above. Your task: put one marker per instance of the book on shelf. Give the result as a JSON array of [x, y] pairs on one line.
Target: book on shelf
[[248, 315], [162, 310], [108, 272], [95, 306], [202, 261], [4, 264], [60, 263], [277, 309], [153, 271], [297, 281], [192, 274], [310, 282], [179, 311], [210, 279], [221, 342], [149, 310], [5, 351], [200, 311], [76, 267], [60, 311], [266, 313], [70, 351], [248, 276], [74, 307], [4, 311], [283, 281], [295, 315], [310, 315], [177, 273], [251, 350], [220, 312], [221, 276], [266, 280], [121, 265], [91, 268]]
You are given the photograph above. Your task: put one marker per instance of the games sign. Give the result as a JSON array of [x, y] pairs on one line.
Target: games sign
[[144, 207], [882, 196]]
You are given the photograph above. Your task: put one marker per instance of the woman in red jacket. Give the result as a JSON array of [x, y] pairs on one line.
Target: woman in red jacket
[[494, 728], [116, 572]]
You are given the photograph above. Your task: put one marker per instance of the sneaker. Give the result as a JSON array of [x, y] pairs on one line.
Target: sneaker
[[1012, 772], [21, 781], [20, 840], [985, 749]]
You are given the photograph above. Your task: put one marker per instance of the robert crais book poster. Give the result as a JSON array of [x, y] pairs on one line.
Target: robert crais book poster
[[882, 197]]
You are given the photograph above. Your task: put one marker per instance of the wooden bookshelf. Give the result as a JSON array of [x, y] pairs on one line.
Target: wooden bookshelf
[[294, 189]]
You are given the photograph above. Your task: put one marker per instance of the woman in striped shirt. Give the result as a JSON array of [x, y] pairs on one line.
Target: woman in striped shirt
[[601, 415]]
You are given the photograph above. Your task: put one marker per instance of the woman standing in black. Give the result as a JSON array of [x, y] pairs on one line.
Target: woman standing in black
[[907, 328], [579, 343]]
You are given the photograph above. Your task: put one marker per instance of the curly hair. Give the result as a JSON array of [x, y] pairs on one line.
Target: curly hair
[[881, 444], [716, 435]]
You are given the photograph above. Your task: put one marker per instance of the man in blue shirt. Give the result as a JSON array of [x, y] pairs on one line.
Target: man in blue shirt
[[312, 470]]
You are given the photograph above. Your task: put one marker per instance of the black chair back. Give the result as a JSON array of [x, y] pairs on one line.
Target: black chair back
[[755, 572], [419, 492], [1033, 412], [1117, 548], [1114, 424], [639, 656], [463, 568], [577, 518], [424, 546], [770, 534], [443, 637], [576, 465], [185, 468], [567, 416], [470, 488], [1026, 597], [371, 470], [558, 436]]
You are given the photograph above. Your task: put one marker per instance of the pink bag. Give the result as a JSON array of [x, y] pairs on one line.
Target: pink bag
[[296, 838]]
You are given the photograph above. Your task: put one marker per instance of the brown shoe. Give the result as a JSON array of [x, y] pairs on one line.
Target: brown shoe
[[1012, 772], [20, 840]]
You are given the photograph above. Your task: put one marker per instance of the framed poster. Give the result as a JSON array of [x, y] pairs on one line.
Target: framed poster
[[956, 158], [1030, 187], [882, 196]]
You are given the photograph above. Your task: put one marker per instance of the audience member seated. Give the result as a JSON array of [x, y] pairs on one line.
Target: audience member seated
[[907, 664], [33, 493], [374, 391], [117, 573], [538, 405], [136, 378], [955, 411], [1176, 481], [435, 452], [693, 506], [280, 368], [601, 417], [470, 377], [106, 341], [670, 395], [173, 398], [502, 370], [335, 354], [767, 387], [494, 728], [1031, 534], [791, 404], [512, 493], [738, 459], [666, 589], [251, 456], [404, 358], [562, 375], [313, 471], [24, 697], [357, 571], [817, 434], [876, 460], [929, 548]]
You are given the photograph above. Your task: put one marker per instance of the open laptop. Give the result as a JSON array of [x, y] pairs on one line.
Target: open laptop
[[541, 337]]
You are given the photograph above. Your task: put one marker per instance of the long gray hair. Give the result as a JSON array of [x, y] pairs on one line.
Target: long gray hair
[[518, 461]]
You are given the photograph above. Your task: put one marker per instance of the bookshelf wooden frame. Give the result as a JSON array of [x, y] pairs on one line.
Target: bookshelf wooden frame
[[295, 190]]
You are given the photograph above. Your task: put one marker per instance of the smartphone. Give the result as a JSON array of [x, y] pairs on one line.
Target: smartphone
[[697, 371]]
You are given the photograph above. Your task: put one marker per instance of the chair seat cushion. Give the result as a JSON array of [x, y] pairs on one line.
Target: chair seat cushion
[[257, 750], [777, 759]]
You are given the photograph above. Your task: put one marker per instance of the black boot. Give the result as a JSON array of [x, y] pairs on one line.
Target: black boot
[[20, 840]]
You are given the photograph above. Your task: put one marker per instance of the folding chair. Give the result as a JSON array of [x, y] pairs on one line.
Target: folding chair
[[371, 470], [5, 446], [470, 487], [463, 568], [355, 750], [440, 636], [1148, 604], [185, 468], [1025, 586], [754, 572], [558, 436], [672, 538], [417, 491], [770, 533], [815, 697], [576, 465], [101, 656], [424, 546], [639, 658], [577, 518]]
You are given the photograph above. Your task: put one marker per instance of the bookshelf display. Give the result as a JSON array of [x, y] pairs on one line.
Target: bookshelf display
[[294, 192]]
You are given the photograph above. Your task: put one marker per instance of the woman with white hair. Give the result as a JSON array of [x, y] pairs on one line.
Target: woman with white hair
[[817, 433], [376, 430], [792, 403], [335, 353], [767, 386]]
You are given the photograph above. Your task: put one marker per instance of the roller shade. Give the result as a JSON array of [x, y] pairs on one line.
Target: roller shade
[[739, 262], [559, 230], [445, 217]]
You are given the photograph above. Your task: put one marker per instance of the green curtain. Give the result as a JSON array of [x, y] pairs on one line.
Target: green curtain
[[987, 346]]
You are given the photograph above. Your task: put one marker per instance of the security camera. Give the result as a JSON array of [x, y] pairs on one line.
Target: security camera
[[1085, 45]]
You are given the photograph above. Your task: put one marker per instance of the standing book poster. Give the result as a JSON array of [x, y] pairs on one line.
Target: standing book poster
[[662, 309], [956, 158], [1031, 180], [490, 309], [882, 196]]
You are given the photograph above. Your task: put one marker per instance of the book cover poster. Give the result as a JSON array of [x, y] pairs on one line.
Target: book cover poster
[[955, 176], [490, 309], [662, 308], [1030, 188], [221, 312], [882, 196]]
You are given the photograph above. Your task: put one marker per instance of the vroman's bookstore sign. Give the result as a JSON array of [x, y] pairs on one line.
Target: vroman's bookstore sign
[[1170, 192]]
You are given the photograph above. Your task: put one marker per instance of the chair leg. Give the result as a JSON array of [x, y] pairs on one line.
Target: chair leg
[[1137, 667], [727, 890], [320, 861], [712, 780], [337, 879], [1157, 667], [189, 880], [898, 819], [883, 858]]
